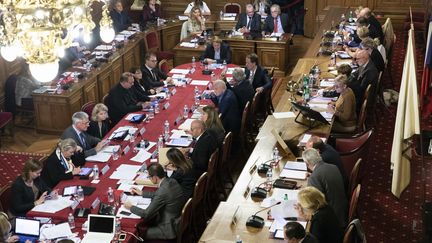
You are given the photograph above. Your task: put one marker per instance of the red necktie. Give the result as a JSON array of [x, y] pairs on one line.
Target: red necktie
[[275, 29]]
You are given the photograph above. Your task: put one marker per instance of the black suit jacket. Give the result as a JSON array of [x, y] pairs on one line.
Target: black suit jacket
[[140, 91], [204, 147], [225, 53], [120, 102], [377, 59], [94, 130], [269, 23], [22, 196], [378, 27], [325, 227], [365, 76], [229, 110], [309, 238], [255, 25], [187, 181], [149, 81], [121, 21], [331, 156], [53, 172], [91, 141], [244, 93], [260, 79]]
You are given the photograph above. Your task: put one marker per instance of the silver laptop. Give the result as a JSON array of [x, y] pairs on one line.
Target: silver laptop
[[101, 229]]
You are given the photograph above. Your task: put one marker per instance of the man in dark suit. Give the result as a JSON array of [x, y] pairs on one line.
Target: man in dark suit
[[249, 22], [121, 99], [77, 131], [367, 13], [295, 233], [216, 52], [165, 208], [375, 56], [152, 76], [366, 74], [327, 178], [373, 31], [241, 88], [257, 75], [121, 21], [203, 147], [227, 103], [276, 22]]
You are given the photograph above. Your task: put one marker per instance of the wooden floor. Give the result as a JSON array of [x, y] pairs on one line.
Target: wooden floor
[[28, 140]]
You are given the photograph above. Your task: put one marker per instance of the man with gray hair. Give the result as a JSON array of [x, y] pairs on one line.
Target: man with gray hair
[[242, 89], [276, 22], [327, 178], [88, 144], [227, 103], [249, 22]]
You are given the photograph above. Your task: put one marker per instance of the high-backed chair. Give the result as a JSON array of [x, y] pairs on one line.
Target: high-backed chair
[[212, 183], [184, 31], [258, 111], [225, 167], [88, 107], [354, 177], [164, 66], [5, 119], [10, 102], [361, 121], [183, 235], [5, 198], [232, 8], [198, 207], [354, 233], [352, 212], [151, 43], [245, 130], [105, 100]]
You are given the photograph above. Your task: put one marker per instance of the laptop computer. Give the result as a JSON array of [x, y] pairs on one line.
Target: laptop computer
[[27, 229], [101, 229]]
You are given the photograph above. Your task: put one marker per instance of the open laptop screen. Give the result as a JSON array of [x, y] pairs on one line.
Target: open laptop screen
[[101, 224], [29, 227]]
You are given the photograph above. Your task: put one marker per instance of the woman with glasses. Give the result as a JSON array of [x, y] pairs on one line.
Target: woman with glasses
[[28, 189], [99, 125], [59, 165]]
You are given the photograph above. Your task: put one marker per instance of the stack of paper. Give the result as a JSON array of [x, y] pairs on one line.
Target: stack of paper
[[180, 134], [99, 157], [327, 83], [293, 165], [141, 156], [327, 115], [199, 82], [188, 44], [293, 174], [186, 124], [128, 187], [281, 115], [56, 231], [178, 70], [53, 206], [179, 142]]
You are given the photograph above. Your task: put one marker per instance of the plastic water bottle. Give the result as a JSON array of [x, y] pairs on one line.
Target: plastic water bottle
[[197, 100], [160, 142], [110, 195], [59, 89], [132, 137], [193, 62], [142, 143], [185, 112], [196, 90], [166, 128], [118, 225], [269, 182], [80, 193], [221, 15], [238, 239], [333, 60], [276, 157], [151, 112], [71, 221], [224, 65], [156, 108], [350, 17], [95, 172]]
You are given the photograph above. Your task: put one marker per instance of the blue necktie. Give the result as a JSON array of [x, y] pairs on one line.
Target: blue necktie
[[83, 142]]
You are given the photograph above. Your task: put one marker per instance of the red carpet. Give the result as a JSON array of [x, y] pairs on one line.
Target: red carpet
[[384, 217], [12, 164]]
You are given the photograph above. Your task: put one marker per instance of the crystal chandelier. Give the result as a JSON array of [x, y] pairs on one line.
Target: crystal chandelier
[[41, 30]]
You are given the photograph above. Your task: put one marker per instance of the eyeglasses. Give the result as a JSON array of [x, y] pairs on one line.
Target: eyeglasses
[[155, 60]]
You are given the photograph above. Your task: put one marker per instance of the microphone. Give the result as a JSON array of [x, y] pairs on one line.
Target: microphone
[[259, 192], [264, 167], [256, 221], [81, 212]]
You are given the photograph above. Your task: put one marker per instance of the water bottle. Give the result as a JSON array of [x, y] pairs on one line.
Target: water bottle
[[116, 153], [166, 128], [350, 17], [160, 142], [71, 221], [132, 137], [168, 95], [185, 112], [238, 239], [142, 143], [224, 65], [197, 100], [151, 112], [306, 93], [95, 172], [156, 108], [269, 182], [110, 195], [193, 62], [196, 90], [80, 193], [157, 21], [333, 60], [221, 15], [118, 225], [59, 89], [113, 46], [276, 157]]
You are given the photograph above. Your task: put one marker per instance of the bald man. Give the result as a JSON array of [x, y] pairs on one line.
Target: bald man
[[367, 13], [249, 22], [366, 74], [227, 103], [205, 144]]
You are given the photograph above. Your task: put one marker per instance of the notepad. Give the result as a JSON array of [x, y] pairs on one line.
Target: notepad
[[199, 82], [293, 174], [122, 175], [292, 165], [141, 156], [186, 124], [281, 115], [179, 142]]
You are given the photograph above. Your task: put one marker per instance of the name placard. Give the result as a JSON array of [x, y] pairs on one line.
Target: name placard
[[105, 169], [142, 131], [173, 92], [178, 120], [166, 105], [234, 219], [95, 203], [74, 204], [126, 149], [154, 154], [253, 168]]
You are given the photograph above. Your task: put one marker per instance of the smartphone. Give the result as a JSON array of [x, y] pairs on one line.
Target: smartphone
[[125, 213], [279, 234], [122, 237]]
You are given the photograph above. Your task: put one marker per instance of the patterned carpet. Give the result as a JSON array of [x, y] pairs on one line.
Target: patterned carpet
[[12, 164], [384, 217]]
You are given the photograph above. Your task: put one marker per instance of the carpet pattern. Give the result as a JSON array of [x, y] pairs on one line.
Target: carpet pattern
[[384, 217], [12, 164]]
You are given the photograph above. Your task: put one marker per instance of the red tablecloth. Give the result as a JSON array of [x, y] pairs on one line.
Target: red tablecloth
[[183, 96]]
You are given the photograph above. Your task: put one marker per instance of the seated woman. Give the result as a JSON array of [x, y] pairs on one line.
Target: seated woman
[[5, 230], [58, 165], [141, 90], [262, 7], [183, 173], [28, 189], [213, 123], [151, 11], [196, 23], [99, 124], [199, 4], [344, 108], [324, 224]]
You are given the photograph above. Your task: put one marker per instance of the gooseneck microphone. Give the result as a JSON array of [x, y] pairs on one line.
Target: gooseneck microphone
[[256, 221]]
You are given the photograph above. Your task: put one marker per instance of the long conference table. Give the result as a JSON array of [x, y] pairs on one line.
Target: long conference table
[[153, 129], [240, 205]]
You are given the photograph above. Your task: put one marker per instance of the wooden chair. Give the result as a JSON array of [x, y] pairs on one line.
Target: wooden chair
[[225, 167], [88, 107], [105, 99], [183, 235], [258, 111], [245, 130], [361, 121], [232, 8], [198, 209], [5, 198], [5, 119], [354, 233], [26, 108], [164, 66], [271, 72], [151, 43], [352, 212], [353, 148], [354, 177], [212, 194]]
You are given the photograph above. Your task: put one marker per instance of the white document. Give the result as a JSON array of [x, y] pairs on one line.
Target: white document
[[128, 187], [188, 44], [139, 200], [292, 165], [183, 17], [284, 210], [122, 175], [178, 70], [141, 156], [327, 83], [320, 106], [179, 142], [180, 134], [320, 100], [293, 174], [99, 157], [327, 115], [110, 148], [279, 223], [186, 124], [199, 82], [57, 231], [177, 76], [281, 115], [306, 138], [229, 18], [53, 206], [129, 168]]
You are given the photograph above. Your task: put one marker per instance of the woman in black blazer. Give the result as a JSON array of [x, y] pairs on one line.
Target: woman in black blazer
[[99, 125], [59, 166], [324, 224], [183, 173], [28, 190], [213, 123]]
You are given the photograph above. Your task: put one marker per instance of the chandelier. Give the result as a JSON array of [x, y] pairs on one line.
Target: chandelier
[[40, 30]]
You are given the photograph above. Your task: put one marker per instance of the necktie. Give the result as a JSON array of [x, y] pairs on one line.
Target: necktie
[[154, 75], [249, 23], [252, 73], [275, 28], [83, 142]]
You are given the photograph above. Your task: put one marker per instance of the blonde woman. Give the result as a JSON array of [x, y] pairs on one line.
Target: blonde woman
[[324, 225], [5, 229], [99, 125], [344, 108], [196, 23]]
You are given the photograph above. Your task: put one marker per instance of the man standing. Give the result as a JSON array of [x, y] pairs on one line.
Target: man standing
[[276, 22], [203, 147], [165, 208], [249, 22], [228, 106], [152, 75], [256, 75], [216, 52]]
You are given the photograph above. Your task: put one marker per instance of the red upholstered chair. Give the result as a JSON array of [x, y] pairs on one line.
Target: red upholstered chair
[[212, 183], [232, 8], [88, 107], [352, 212], [354, 177], [5, 119], [183, 235], [225, 167], [245, 131], [164, 66], [5, 197], [151, 43]]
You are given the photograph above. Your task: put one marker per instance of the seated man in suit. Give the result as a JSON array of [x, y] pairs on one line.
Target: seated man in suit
[[366, 74], [276, 22], [327, 178], [249, 22], [257, 75], [121, 99], [121, 21], [203, 147], [373, 32], [152, 76], [367, 13], [216, 52], [165, 207], [227, 103], [241, 88], [88, 144], [295, 233]]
